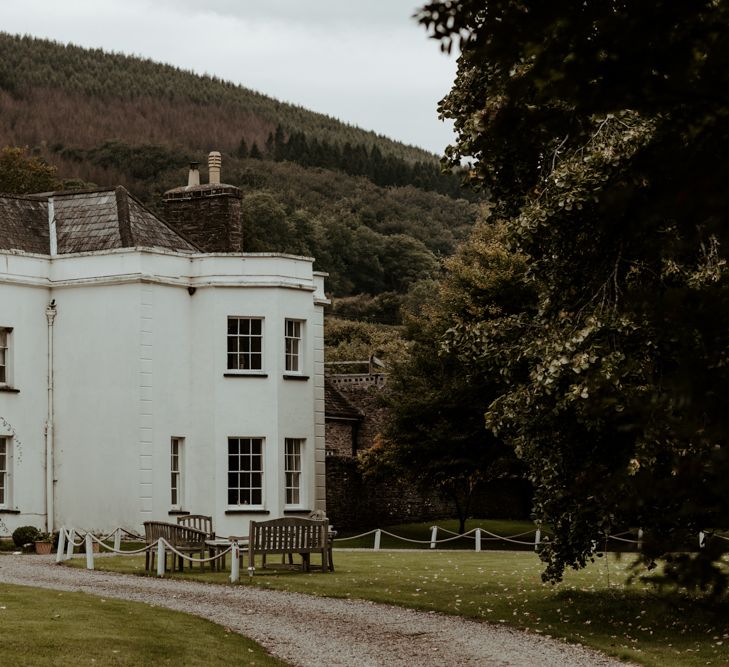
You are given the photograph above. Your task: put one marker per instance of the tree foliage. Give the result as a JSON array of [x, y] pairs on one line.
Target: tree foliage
[[601, 129], [436, 434], [21, 173]]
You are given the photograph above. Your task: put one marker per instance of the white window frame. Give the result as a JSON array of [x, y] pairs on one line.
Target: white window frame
[[177, 454], [246, 466], [293, 472], [6, 467], [237, 342], [6, 351], [293, 346]]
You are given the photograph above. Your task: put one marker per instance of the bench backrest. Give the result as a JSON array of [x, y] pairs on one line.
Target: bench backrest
[[288, 535], [176, 535], [199, 522]]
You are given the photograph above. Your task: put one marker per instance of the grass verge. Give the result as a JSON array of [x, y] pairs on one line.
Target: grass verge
[[44, 627], [593, 606]]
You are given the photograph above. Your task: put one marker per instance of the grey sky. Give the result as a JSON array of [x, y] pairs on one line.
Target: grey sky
[[365, 62]]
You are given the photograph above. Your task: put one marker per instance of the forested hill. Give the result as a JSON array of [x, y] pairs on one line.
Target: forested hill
[[376, 214], [84, 97]]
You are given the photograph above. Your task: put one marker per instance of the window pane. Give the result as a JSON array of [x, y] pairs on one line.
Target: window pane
[[232, 325], [245, 476], [255, 327]]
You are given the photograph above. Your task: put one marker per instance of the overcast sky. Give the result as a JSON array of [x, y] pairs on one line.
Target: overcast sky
[[366, 62]]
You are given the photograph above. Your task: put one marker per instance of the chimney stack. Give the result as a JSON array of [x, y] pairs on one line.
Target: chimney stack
[[210, 214], [214, 162], [193, 178]]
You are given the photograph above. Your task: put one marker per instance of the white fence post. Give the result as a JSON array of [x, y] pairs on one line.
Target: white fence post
[[161, 557], [378, 535], [89, 552], [433, 536], [537, 539], [60, 552], [117, 539], [640, 539], [702, 539], [71, 540], [235, 563], [478, 539]]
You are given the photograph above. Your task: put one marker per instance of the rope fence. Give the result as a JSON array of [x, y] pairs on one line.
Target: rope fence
[[160, 547], [67, 541], [479, 535]]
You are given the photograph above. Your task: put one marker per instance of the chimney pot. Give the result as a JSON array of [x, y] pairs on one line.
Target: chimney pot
[[193, 178], [214, 162]]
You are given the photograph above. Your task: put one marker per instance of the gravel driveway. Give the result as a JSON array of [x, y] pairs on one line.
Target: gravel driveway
[[306, 630]]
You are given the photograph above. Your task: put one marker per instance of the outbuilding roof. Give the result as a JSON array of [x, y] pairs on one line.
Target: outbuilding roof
[[337, 407], [85, 221]]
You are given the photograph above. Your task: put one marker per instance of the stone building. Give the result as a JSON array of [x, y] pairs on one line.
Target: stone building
[[354, 418]]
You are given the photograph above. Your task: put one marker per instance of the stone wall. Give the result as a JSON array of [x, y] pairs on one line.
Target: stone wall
[[338, 438], [210, 219], [353, 503]]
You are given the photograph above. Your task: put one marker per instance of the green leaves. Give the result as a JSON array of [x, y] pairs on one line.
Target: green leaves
[[595, 128]]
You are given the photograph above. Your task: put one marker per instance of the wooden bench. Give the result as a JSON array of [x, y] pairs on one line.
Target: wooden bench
[[289, 536], [184, 539], [199, 522]]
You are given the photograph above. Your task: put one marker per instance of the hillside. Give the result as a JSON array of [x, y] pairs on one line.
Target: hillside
[[376, 213]]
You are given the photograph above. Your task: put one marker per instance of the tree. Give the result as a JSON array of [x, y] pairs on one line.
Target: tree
[[599, 129], [436, 434], [242, 150], [266, 227], [21, 174]]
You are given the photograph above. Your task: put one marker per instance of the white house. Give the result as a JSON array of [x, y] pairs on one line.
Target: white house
[[142, 378]]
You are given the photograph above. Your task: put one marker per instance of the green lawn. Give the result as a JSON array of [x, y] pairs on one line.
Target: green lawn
[[44, 627], [504, 587]]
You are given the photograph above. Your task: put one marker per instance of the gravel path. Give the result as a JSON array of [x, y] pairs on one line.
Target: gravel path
[[306, 630]]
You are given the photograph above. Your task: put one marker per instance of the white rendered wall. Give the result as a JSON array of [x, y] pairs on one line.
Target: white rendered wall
[[23, 414], [96, 396], [140, 358]]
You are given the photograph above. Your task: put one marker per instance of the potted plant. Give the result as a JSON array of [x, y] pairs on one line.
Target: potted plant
[[44, 543]]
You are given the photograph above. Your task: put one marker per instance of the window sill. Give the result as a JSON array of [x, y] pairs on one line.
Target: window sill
[[252, 374], [296, 511], [178, 512], [291, 376], [9, 389], [247, 511], [5, 510]]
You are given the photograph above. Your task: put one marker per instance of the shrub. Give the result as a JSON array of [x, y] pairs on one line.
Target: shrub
[[25, 535]]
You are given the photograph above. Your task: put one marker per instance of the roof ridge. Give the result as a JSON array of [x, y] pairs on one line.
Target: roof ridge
[[26, 197], [162, 220], [71, 193]]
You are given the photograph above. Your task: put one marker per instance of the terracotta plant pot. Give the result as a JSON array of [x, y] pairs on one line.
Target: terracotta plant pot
[[43, 548]]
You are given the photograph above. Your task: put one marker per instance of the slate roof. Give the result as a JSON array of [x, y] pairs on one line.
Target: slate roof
[[23, 224], [86, 221], [338, 407]]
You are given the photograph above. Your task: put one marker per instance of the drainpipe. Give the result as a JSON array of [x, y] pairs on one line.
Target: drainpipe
[[50, 316]]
